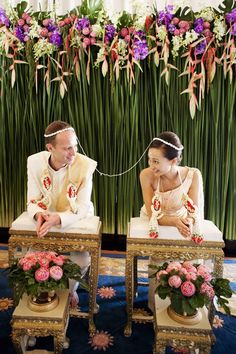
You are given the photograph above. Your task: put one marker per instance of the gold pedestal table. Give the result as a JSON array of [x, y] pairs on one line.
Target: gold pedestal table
[[85, 235], [171, 333], [26, 323], [170, 245]]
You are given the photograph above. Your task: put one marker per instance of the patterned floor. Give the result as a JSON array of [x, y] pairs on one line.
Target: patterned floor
[[114, 264]]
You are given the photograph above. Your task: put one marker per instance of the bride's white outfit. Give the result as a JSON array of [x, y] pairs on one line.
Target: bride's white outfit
[[172, 205]]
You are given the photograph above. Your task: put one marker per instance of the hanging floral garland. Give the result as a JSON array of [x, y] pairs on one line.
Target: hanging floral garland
[[204, 40]]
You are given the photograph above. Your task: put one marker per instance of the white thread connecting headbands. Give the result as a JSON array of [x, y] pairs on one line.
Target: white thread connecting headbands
[[58, 132], [135, 164], [167, 143]]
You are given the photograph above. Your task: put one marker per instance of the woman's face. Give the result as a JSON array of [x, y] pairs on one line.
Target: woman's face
[[158, 163]]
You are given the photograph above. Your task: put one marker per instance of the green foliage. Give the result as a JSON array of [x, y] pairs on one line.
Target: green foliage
[[24, 281], [185, 13], [21, 7], [226, 6], [90, 9], [125, 20], [204, 290]]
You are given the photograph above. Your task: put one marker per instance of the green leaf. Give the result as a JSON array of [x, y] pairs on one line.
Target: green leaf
[[163, 291]]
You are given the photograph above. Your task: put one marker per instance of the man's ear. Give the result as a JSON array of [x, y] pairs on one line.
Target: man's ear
[[49, 147]]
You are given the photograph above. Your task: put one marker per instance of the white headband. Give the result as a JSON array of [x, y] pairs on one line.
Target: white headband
[[58, 132], [167, 143]]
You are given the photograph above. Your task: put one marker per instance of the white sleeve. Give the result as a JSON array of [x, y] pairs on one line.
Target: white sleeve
[[83, 203], [33, 190]]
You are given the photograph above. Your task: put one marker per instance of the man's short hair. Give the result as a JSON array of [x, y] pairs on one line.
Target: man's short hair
[[54, 127]]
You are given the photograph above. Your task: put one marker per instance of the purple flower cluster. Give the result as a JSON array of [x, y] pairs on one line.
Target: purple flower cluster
[[201, 47], [49, 24], [51, 31], [140, 46], [231, 19], [231, 16], [4, 20], [109, 33], [165, 16], [198, 25], [19, 33], [22, 28], [171, 28], [56, 38], [82, 23]]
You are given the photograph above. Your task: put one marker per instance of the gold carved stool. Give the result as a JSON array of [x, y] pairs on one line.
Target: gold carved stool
[[84, 235], [171, 333], [169, 245], [27, 323]]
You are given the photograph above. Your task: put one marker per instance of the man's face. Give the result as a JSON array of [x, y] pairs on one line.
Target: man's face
[[64, 148]]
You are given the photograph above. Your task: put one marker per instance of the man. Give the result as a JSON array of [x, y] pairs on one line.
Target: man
[[59, 187]]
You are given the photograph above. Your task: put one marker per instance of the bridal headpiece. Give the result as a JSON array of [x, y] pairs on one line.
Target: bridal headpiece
[[167, 143]]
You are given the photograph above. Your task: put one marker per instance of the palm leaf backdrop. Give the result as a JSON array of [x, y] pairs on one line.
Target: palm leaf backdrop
[[114, 126]]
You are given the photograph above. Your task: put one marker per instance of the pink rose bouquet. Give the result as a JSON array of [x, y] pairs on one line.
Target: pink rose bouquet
[[190, 286], [39, 272]]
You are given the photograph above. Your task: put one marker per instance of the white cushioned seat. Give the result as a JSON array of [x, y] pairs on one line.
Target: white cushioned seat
[[139, 229], [87, 225]]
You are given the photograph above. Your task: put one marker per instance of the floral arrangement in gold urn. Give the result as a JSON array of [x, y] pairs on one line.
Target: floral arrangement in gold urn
[[39, 274], [190, 287]]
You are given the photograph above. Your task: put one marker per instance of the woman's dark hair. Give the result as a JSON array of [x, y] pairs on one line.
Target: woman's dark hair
[[54, 127], [168, 151]]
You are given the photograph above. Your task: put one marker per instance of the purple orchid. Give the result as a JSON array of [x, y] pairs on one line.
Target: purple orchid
[[56, 38], [82, 23], [201, 47], [4, 20], [171, 28], [198, 25], [140, 46], [165, 16], [231, 16], [19, 33], [233, 29], [109, 32]]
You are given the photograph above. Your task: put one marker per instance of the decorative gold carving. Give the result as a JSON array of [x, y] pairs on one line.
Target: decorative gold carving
[[141, 316], [191, 320], [63, 243], [32, 324], [166, 250]]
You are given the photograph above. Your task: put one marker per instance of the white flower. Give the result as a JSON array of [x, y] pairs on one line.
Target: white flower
[[190, 37], [34, 29], [177, 42], [139, 23], [162, 32], [8, 39], [97, 29], [115, 17], [12, 14], [219, 28], [2, 42], [100, 56], [140, 8], [75, 42], [207, 14], [122, 47], [43, 47]]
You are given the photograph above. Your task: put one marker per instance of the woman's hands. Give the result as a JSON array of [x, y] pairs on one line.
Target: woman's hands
[[185, 226]]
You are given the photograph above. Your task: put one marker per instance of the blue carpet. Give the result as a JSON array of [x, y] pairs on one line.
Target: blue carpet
[[111, 318]]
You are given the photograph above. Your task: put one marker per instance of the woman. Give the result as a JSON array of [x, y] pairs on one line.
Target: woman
[[170, 183]]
